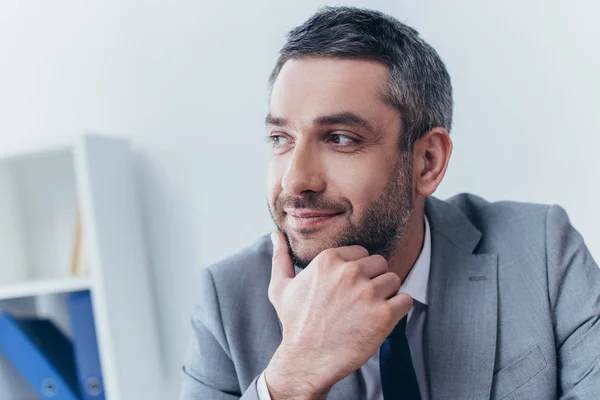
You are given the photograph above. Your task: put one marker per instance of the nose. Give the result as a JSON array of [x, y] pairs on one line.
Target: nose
[[303, 172]]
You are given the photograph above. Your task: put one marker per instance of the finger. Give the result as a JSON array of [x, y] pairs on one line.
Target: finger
[[282, 267], [386, 285], [373, 266], [401, 305], [351, 253]]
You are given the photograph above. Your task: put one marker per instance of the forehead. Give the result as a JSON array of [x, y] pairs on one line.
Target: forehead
[[309, 87]]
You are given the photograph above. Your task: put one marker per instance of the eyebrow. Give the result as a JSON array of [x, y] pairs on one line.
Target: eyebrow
[[276, 121], [344, 118]]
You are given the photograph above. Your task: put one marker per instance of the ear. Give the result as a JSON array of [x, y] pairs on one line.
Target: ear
[[431, 155]]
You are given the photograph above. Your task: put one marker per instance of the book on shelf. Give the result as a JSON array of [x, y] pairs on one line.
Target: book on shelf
[[85, 346], [79, 265], [46, 361], [41, 354]]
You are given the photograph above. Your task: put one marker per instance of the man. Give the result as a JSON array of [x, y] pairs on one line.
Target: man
[[370, 288]]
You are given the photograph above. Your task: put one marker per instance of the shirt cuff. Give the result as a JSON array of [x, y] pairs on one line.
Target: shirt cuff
[[261, 386]]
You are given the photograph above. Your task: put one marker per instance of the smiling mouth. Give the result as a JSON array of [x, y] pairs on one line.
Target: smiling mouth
[[311, 219]]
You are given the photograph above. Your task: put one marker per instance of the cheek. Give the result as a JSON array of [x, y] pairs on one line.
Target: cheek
[[273, 182], [359, 182]]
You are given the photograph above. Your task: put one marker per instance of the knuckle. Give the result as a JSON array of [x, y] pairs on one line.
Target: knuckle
[[389, 314], [327, 257], [385, 316], [352, 270], [369, 292], [380, 259], [363, 250], [348, 274], [395, 280]]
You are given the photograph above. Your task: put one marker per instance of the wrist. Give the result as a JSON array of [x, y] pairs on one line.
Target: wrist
[[291, 380]]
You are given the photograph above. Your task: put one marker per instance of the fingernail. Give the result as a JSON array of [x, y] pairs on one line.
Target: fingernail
[[273, 238]]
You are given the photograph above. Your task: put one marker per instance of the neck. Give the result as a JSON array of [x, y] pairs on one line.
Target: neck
[[409, 247]]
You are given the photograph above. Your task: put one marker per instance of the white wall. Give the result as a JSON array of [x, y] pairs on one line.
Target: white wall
[[187, 82]]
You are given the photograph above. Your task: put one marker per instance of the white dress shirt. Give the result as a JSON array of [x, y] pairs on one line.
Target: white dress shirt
[[415, 284]]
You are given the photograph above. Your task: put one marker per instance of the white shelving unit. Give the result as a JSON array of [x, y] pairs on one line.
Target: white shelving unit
[[45, 287], [39, 196]]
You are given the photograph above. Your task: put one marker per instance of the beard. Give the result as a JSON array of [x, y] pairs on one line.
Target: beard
[[380, 227]]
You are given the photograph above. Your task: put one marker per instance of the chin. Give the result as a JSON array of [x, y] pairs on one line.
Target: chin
[[305, 250]]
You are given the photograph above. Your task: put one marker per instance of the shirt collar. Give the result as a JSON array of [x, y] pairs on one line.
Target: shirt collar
[[417, 280]]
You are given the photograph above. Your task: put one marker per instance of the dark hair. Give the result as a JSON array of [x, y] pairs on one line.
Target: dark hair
[[419, 85]]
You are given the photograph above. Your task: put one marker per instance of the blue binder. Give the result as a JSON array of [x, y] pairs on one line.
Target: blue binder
[[41, 354], [85, 345]]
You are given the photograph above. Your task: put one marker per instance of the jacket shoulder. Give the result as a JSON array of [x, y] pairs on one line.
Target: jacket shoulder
[[500, 214], [249, 267], [234, 312], [475, 207], [505, 225]]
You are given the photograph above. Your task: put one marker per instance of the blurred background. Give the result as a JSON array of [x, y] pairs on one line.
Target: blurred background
[[186, 83]]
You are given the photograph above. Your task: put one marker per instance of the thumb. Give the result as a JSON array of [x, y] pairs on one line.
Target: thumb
[[282, 265]]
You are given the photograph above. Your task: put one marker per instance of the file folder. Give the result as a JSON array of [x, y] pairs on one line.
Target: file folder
[[41, 354], [85, 346]]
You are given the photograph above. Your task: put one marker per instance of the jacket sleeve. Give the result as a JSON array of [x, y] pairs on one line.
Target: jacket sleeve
[[574, 290], [208, 371]]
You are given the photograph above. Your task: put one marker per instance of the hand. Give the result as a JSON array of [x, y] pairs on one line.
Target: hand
[[335, 315]]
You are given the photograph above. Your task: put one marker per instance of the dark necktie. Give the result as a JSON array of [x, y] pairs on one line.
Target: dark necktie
[[398, 379]]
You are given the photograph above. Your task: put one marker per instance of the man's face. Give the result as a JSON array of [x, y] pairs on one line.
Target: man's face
[[337, 176]]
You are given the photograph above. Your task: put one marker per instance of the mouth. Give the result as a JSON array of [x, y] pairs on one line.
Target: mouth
[[310, 219]]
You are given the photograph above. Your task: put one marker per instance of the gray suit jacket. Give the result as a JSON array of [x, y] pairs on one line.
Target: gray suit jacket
[[514, 310]]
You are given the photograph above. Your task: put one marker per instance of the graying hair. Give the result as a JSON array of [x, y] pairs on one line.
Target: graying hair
[[419, 85]]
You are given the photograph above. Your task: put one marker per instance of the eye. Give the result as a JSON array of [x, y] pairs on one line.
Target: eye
[[278, 141], [339, 139]]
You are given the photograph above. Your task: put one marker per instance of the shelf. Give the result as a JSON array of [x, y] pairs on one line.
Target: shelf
[[42, 191], [44, 287]]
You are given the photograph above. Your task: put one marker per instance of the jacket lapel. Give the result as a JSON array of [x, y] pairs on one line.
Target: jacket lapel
[[460, 332]]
